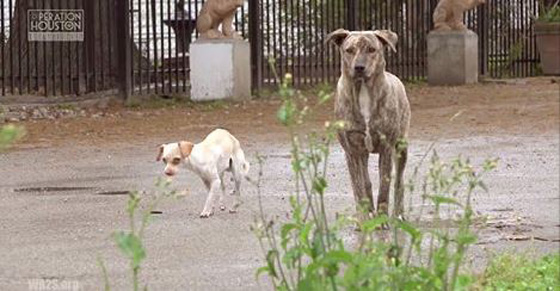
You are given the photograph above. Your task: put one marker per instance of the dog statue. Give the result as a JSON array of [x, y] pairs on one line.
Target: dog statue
[[448, 14], [376, 113], [215, 13]]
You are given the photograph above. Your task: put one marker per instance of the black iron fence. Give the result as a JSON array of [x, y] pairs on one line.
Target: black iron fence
[[292, 33], [161, 32], [55, 67], [142, 46]]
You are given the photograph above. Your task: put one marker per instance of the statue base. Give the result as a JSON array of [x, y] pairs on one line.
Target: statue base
[[452, 57], [220, 69]]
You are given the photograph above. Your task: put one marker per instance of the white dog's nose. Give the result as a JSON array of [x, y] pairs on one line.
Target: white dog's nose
[[169, 173]]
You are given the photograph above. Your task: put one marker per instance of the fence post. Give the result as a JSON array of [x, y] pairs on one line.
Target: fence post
[[255, 43], [482, 28], [350, 6], [123, 48]]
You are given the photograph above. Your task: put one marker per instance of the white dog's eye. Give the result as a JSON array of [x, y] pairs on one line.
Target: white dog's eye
[[176, 161], [164, 160], [371, 50], [350, 50]]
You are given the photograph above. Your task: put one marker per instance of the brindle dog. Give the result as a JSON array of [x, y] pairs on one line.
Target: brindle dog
[[375, 109]]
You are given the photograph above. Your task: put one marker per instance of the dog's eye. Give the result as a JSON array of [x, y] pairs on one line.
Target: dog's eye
[[164, 160], [350, 50], [371, 50], [176, 161]]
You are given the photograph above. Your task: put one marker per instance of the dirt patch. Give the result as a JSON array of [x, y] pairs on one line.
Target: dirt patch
[[530, 106]]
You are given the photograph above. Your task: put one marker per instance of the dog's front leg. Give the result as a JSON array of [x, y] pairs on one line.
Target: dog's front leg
[[209, 205], [361, 184], [385, 170]]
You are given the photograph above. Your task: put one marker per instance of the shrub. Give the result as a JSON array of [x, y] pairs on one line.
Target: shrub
[[550, 13]]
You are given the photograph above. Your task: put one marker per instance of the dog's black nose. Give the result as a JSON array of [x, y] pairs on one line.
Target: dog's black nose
[[359, 68]]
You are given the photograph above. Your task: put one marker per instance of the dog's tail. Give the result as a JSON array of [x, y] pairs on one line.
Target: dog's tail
[[240, 163]]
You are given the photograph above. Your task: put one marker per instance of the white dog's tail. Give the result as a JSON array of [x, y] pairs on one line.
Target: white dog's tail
[[240, 163]]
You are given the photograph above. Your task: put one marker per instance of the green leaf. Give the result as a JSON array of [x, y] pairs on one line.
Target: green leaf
[[410, 229], [466, 238], [271, 265], [463, 282], [286, 113], [319, 185], [304, 234], [131, 246], [339, 256], [438, 199], [374, 223]]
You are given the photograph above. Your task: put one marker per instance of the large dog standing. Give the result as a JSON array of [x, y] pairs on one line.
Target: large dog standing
[[375, 109]]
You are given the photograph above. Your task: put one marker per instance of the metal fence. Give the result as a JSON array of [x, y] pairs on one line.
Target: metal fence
[[56, 68], [292, 33], [142, 46], [161, 32]]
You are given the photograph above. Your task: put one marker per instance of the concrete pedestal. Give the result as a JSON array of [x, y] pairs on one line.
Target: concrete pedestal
[[220, 69], [452, 58]]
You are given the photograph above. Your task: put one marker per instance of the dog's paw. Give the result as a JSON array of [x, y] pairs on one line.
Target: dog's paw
[[232, 211], [206, 214]]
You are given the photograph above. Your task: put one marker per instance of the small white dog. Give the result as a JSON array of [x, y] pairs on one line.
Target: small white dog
[[210, 159]]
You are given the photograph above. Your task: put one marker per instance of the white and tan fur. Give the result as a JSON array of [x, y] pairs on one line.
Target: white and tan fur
[[376, 113], [218, 153]]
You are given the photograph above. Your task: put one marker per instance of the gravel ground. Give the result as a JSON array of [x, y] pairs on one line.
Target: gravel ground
[[60, 185]]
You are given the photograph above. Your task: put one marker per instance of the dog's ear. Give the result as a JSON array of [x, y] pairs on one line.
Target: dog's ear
[[160, 153], [388, 38], [337, 37], [186, 148]]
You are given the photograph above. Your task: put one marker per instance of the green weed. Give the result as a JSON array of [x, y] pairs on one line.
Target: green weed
[[308, 251]]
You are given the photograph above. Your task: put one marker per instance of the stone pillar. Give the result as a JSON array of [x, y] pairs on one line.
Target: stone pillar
[[220, 69], [452, 57]]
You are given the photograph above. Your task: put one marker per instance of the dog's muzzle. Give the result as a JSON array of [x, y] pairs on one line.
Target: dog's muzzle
[[359, 71]]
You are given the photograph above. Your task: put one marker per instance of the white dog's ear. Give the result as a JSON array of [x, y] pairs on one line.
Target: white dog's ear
[[388, 38], [186, 148], [337, 37], [160, 153]]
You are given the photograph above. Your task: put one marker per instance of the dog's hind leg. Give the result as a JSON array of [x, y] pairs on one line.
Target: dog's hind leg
[[398, 206], [237, 177], [222, 193]]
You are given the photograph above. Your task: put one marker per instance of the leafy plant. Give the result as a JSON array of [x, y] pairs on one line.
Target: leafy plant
[[308, 251], [130, 242], [550, 13]]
